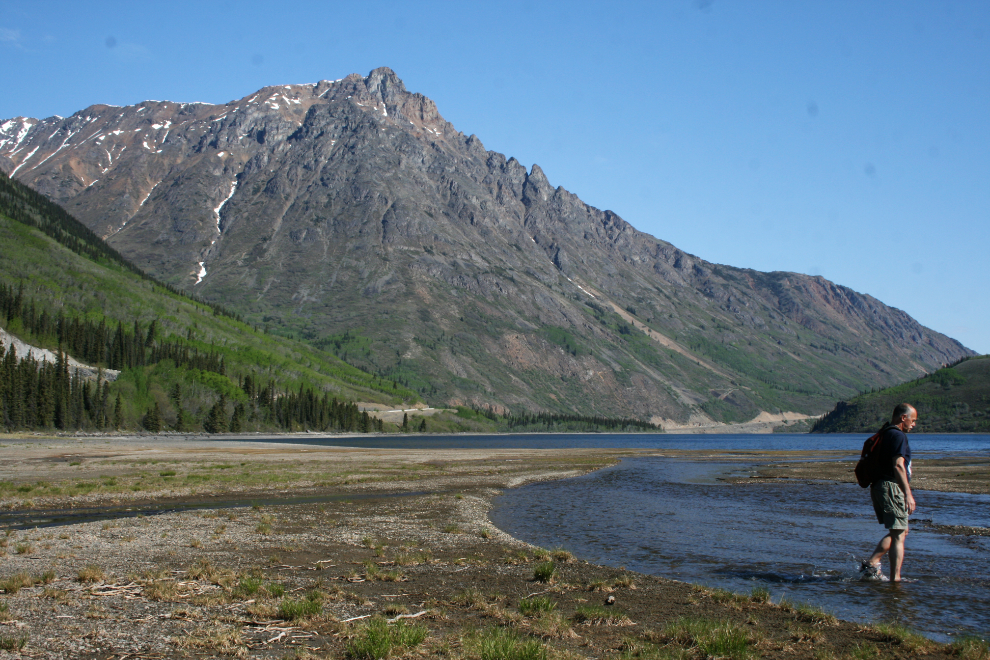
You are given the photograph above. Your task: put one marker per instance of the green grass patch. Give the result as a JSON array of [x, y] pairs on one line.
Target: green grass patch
[[292, 609], [494, 643], [545, 571], [12, 642], [971, 648], [378, 639], [536, 605], [721, 639], [15, 583], [248, 586], [760, 595]]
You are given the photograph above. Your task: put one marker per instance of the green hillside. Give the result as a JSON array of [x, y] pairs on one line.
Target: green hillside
[[955, 399], [61, 287]]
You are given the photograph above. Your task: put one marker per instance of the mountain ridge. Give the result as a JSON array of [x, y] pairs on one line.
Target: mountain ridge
[[352, 206]]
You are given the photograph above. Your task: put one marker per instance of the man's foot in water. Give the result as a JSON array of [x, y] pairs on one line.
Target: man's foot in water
[[870, 573]]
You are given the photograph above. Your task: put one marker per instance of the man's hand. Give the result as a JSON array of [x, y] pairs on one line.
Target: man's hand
[[900, 471]]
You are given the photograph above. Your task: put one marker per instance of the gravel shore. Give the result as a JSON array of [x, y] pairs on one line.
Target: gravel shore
[[371, 536]]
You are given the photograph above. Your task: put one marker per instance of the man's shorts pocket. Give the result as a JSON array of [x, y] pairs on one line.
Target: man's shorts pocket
[[889, 504]]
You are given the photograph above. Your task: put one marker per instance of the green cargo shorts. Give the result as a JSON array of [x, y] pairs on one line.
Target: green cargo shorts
[[889, 504]]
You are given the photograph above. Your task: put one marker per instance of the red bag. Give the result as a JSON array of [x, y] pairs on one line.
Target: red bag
[[866, 468]]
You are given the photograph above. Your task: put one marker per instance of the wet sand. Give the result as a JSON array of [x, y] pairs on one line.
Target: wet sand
[[228, 581]]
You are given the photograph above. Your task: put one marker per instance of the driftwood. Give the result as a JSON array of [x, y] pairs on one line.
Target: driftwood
[[408, 616]]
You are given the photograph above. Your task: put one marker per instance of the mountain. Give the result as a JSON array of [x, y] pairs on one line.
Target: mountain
[[350, 214], [953, 399], [63, 289]]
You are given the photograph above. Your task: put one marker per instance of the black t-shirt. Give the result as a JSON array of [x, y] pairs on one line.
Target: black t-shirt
[[893, 443]]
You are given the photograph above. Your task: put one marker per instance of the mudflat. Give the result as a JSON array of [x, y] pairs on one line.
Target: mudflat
[[961, 474], [381, 552]]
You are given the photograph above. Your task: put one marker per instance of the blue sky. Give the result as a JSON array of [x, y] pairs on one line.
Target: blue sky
[[846, 139]]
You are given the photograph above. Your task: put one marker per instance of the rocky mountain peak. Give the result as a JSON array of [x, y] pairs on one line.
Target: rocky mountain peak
[[383, 82], [352, 206]]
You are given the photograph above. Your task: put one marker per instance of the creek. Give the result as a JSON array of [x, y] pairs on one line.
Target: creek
[[676, 518]]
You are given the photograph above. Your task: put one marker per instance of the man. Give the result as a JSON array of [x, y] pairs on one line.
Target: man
[[891, 493]]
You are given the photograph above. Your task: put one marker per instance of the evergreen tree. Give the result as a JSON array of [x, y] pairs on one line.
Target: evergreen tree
[[103, 416], [237, 420], [152, 330], [405, 423], [175, 395], [422, 425], [216, 420], [153, 420], [118, 413]]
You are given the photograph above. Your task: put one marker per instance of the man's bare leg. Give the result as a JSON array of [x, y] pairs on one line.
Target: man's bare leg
[[896, 553], [883, 547]]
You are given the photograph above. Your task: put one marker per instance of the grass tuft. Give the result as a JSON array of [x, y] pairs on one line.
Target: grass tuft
[[599, 615], [16, 582], [224, 639], [905, 637], [247, 586], [377, 639], [545, 571], [760, 595], [91, 573], [815, 615], [412, 559], [12, 643], [536, 605], [970, 648], [721, 639], [291, 609], [496, 643]]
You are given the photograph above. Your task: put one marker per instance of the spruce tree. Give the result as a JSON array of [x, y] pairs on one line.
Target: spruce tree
[[405, 423], [237, 420], [118, 413], [103, 416], [153, 420], [216, 420], [152, 331]]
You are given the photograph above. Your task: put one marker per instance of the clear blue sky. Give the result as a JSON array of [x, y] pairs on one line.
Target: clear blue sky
[[849, 139]]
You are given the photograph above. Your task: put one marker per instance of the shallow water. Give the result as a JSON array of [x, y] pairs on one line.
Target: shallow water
[[672, 517]]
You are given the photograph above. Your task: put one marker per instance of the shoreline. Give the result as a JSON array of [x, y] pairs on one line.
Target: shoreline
[[215, 582]]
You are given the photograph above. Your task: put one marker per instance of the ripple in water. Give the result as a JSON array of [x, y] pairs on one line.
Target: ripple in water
[[804, 542]]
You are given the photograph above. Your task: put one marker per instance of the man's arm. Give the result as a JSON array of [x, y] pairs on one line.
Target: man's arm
[[900, 472]]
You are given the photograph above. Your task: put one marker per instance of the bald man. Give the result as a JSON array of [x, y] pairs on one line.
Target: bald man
[[891, 493]]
